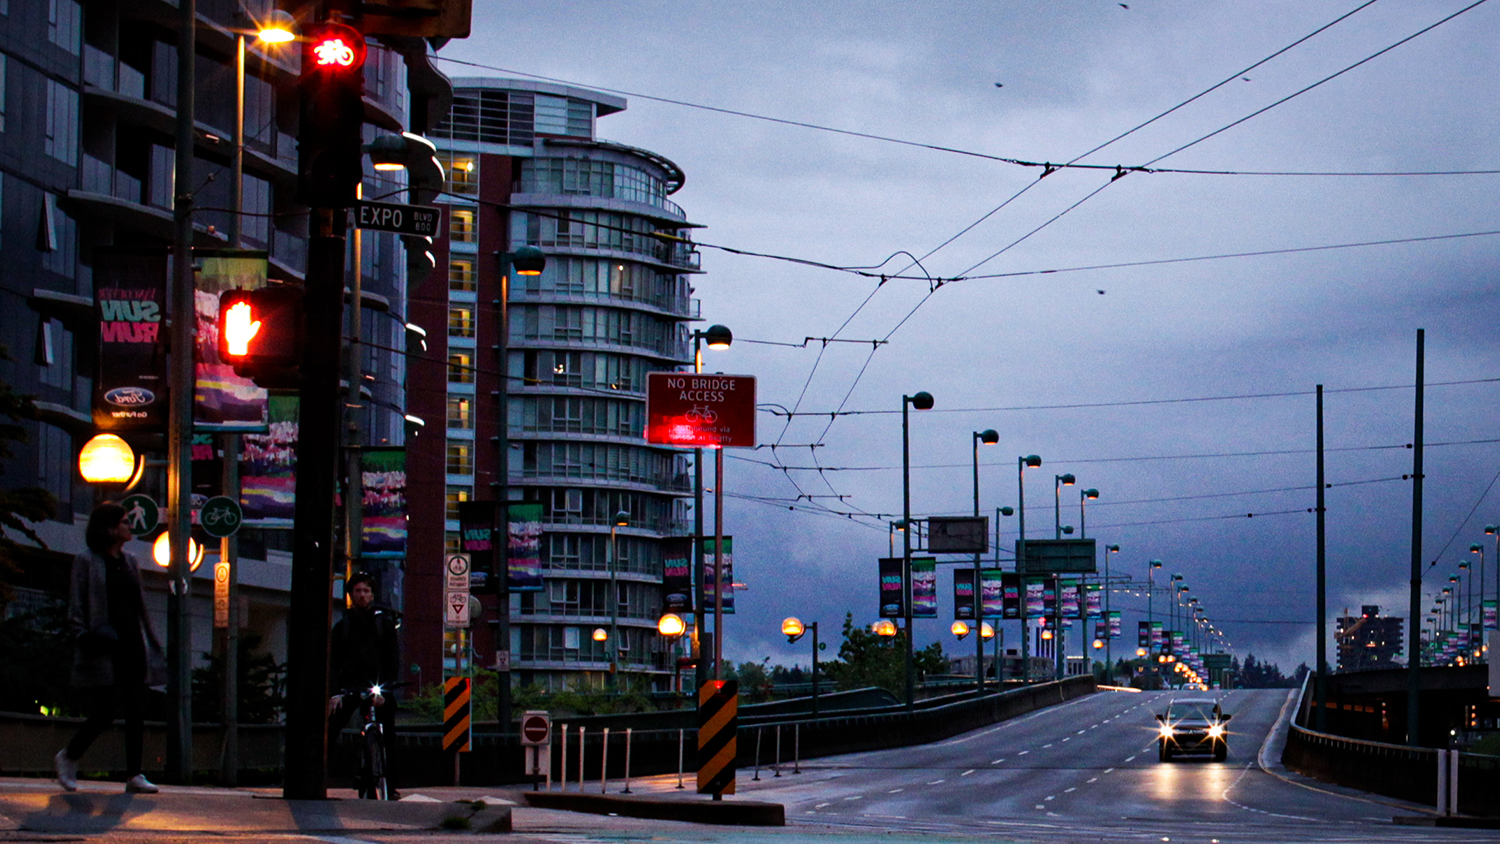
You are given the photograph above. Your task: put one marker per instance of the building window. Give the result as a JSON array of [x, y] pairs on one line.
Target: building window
[[460, 459], [451, 542], [455, 496], [61, 138], [463, 173], [460, 321], [461, 226], [65, 24], [461, 275], [460, 368], [461, 412]]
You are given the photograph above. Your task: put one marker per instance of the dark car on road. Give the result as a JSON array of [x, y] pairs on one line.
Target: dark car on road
[[1192, 725]]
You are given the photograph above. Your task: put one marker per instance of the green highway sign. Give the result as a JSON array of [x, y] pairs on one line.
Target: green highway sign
[[142, 513], [220, 516]]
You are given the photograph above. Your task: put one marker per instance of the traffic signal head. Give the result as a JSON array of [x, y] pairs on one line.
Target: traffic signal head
[[260, 334], [333, 112]]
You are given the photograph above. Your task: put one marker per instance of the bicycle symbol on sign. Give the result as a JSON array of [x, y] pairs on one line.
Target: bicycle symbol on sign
[[224, 516], [703, 414]]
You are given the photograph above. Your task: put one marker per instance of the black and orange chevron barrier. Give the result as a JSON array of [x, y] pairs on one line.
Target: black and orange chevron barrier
[[456, 713], [718, 721]]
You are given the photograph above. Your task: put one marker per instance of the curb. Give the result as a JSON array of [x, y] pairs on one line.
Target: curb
[[724, 813]]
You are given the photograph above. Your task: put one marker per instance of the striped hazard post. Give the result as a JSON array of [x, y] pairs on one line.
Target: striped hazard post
[[456, 713], [718, 719]]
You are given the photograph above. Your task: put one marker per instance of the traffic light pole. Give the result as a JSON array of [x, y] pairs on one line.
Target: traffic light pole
[[313, 548]]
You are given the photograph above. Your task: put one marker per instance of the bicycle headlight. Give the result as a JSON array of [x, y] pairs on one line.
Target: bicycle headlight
[[375, 689]]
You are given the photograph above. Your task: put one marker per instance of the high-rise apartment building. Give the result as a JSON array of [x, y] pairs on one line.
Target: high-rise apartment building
[[525, 167], [1369, 640]]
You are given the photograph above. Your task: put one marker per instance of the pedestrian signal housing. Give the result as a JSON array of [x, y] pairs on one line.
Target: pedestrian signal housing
[[260, 334]]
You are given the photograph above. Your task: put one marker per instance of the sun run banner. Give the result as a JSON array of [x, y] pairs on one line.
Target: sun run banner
[[130, 294], [892, 588], [1049, 596], [1101, 629], [924, 587], [1114, 624], [677, 574], [963, 594], [222, 400], [268, 467], [1156, 636], [476, 537], [1487, 615], [727, 590], [523, 556], [1143, 636], [1010, 595], [383, 508]]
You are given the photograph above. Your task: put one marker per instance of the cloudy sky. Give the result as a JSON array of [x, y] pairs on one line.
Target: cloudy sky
[[1181, 390]]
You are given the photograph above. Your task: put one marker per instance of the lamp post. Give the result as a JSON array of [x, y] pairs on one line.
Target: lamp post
[[622, 519], [1151, 568], [794, 629], [921, 401], [718, 337], [1109, 639], [1476, 548], [989, 436], [1058, 482], [528, 261], [671, 627], [1034, 461], [1466, 600]]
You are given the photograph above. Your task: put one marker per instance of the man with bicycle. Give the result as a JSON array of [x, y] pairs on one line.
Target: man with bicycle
[[364, 654]]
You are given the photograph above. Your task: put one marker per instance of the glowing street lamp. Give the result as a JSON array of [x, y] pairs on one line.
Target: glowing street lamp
[[793, 628], [106, 459]]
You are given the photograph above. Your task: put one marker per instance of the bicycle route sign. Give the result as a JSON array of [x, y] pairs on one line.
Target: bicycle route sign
[[456, 592], [699, 410], [220, 516]]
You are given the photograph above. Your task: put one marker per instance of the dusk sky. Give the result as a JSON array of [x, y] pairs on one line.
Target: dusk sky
[[1181, 390]]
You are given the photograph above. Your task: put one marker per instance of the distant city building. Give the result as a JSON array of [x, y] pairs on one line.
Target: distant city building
[[525, 167], [1369, 640]]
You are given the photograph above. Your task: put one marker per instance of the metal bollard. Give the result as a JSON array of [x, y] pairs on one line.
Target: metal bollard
[[604, 764], [681, 737], [758, 731], [580, 759], [797, 748], [776, 766], [562, 761], [628, 731]]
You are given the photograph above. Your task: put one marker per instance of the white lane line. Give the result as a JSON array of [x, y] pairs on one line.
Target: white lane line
[[1109, 770], [1070, 790], [1065, 738], [966, 773], [998, 761], [1092, 779], [822, 805], [1040, 806], [937, 782], [1050, 797], [895, 791], [1023, 753], [1047, 745], [856, 797], [1080, 732], [1129, 758]]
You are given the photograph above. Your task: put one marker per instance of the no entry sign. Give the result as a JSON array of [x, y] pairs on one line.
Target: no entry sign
[[536, 729], [700, 410]]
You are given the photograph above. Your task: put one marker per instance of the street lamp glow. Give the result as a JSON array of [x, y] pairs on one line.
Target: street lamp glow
[[671, 625], [792, 628], [600, 634], [106, 459], [718, 337], [884, 628], [959, 629], [161, 552], [986, 631], [279, 28]]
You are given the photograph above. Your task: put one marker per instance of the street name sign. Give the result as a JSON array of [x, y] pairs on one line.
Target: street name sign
[[419, 220], [700, 410]]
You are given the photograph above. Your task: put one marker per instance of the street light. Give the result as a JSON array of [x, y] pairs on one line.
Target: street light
[[718, 337], [671, 627], [989, 436], [1109, 639], [1033, 461], [884, 628], [1083, 496], [622, 519], [794, 629], [107, 459], [921, 401], [1476, 548]]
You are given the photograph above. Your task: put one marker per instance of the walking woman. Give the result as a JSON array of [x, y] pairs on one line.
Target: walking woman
[[117, 653]]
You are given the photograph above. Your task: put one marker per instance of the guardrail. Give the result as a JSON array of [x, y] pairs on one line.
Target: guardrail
[[1393, 770]]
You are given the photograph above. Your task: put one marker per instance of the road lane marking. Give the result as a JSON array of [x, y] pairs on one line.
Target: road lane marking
[[1023, 753], [1109, 770], [1065, 738], [1129, 758], [1050, 797], [1040, 806], [1080, 732], [937, 782], [1092, 779], [1047, 745], [821, 805], [966, 773], [1070, 790], [998, 761], [895, 791], [856, 797]]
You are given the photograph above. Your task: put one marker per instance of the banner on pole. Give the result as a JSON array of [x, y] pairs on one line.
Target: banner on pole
[[1010, 596], [476, 537], [727, 588], [130, 294], [268, 467], [892, 588], [677, 574], [923, 587], [963, 594], [222, 399], [383, 508], [524, 551], [1036, 597], [1114, 624], [1067, 592], [1093, 600]]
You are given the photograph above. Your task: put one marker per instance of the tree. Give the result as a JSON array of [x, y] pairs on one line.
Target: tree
[[868, 660]]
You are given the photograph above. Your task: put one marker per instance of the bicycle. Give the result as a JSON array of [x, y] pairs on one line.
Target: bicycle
[[373, 782]]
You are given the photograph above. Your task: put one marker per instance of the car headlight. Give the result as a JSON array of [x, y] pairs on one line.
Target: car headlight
[[1167, 731], [1216, 731]]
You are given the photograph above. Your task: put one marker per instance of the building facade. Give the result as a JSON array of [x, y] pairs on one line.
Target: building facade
[[89, 105], [525, 167], [1369, 641]]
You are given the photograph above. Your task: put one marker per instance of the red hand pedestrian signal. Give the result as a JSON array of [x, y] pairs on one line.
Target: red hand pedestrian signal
[[260, 334]]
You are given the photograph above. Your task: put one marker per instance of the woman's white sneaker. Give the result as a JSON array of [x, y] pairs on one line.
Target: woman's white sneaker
[[138, 784], [67, 771]]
